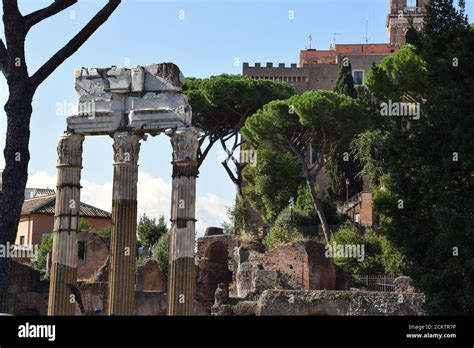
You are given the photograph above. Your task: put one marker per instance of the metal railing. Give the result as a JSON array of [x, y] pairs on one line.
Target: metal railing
[[382, 282]]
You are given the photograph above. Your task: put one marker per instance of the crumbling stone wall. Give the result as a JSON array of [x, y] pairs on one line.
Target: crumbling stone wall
[[27, 294], [213, 253], [150, 278], [298, 265], [94, 298], [326, 303], [302, 265], [96, 253]]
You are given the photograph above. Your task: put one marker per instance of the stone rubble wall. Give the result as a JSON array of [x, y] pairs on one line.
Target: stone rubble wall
[[326, 303]]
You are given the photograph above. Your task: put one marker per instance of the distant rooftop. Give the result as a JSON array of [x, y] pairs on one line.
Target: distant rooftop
[[46, 204], [38, 192], [314, 56]]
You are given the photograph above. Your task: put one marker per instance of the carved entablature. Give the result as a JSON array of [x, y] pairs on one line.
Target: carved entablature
[[142, 99], [185, 144], [70, 150], [126, 148]]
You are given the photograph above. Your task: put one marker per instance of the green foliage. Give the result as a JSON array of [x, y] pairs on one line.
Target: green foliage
[[345, 81], [368, 149], [45, 246], [240, 218], [222, 103], [161, 253], [272, 181], [105, 232], [84, 225], [149, 231], [305, 204], [291, 224], [338, 171], [141, 260], [279, 236], [323, 119], [323, 116], [425, 206], [402, 74], [380, 256]]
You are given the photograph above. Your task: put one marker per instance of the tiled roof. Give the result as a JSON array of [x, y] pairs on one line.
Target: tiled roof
[[46, 204], [38, 192]]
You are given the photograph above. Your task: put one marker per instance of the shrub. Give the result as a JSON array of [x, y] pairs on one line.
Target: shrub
[[105, 232], [289, 226], [45, 246], [247, 238], [160, 253], [150, 231], [239, 219], [380, 257]]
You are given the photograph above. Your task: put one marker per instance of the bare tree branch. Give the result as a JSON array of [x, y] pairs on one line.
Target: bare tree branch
[[73, 45], [229, 172], [56, 7], [203, 154], [3, 59]]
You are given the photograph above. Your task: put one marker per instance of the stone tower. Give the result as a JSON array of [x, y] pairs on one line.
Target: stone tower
[[398, 19]]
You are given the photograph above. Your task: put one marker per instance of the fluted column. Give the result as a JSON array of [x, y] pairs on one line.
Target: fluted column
[[121, 299], [181, 274], [66, 222]]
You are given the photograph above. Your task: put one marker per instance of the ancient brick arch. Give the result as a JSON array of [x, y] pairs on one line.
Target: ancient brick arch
[[213, 253], [217, 252], [126, 104]]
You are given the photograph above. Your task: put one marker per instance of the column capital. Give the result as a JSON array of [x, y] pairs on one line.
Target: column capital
[[70, 150], [185, 142], [126, 148]]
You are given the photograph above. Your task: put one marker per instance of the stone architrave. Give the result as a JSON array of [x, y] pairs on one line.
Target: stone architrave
[[181, 278], [66, 222], [124, 223]]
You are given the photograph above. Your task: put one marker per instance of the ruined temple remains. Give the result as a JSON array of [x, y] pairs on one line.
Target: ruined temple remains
[[127, 105]]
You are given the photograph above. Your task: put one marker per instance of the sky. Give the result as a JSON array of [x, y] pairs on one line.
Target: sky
[[204, 38]]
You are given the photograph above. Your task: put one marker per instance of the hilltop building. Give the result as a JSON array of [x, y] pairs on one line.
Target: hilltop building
[[318, 69]]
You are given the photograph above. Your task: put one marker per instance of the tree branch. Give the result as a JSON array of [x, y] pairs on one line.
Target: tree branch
[[73, 45], [10, 9], [3, 59], [230, 173], [56, 7], [204, 153]]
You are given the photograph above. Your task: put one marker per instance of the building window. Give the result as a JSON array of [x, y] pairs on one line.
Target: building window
[[315, 154], [357, 218], [22, 240], [81, 251], [358, 77]]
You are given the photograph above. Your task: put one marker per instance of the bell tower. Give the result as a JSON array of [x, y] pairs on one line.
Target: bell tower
[[398, 19]]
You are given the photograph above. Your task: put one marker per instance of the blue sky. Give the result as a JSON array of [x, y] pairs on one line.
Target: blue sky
[[203, 37]]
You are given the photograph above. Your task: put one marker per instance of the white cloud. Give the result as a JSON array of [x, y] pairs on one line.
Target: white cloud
[[211, 210], [154, 198]]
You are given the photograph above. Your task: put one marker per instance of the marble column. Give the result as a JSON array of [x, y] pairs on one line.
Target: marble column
[[181, 274], [66, 222], [121, 297]]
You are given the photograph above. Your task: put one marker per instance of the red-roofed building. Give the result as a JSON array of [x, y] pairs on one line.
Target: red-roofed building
[[37, 218], [318, 69]]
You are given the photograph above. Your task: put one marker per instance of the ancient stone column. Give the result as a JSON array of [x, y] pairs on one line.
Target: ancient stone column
[[121, 299], [181, 274], [66, 222]]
